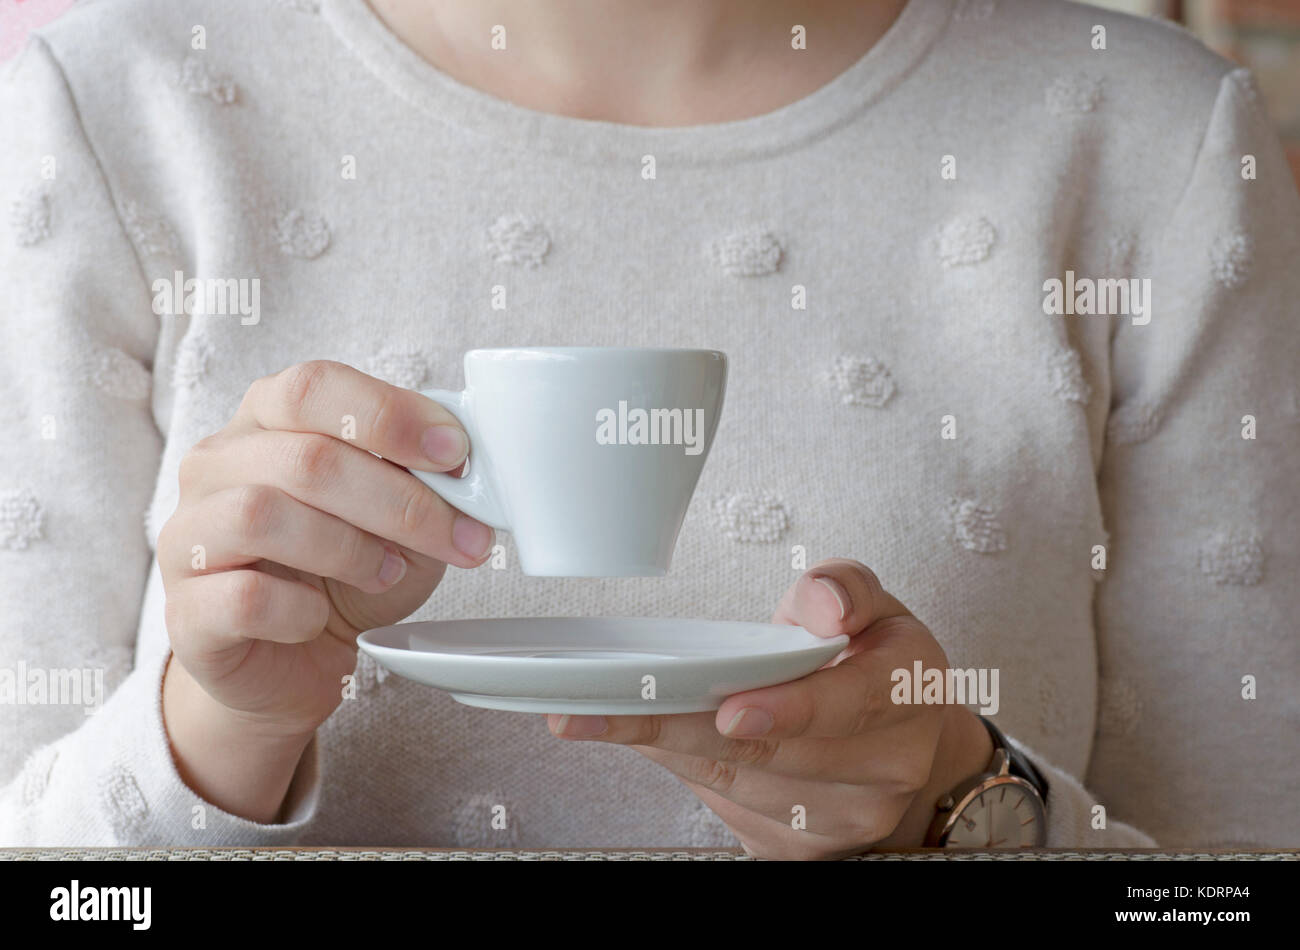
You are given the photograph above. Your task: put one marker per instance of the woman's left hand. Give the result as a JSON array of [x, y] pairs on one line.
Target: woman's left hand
[[866, 771]]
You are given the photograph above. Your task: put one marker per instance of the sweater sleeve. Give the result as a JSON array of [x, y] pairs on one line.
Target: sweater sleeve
[[1199, 485], [1195, 616], [1071, 819], [1199, 490], [84, 755]]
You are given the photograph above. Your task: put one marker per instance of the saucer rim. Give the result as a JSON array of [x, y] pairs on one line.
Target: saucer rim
[[814, 642]]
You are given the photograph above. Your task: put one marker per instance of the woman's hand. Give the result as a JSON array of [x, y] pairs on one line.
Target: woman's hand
[[868, 772], [288, 541]]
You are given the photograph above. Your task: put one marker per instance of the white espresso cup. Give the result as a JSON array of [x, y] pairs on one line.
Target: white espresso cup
[[588, 456]]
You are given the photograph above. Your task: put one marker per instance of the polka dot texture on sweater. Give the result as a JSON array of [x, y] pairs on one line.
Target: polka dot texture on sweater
[[196, 77], [1230, 258], [408, 368], [975, 526], [1232, 556], [1065, 371], [36, 773], [1119, 707], [192, 360], [123, 802], [751, 517], [862, 381], [516, 239], [302, 233], [29, 216], [22, 519], [748, 253], [118, 375], [966, 239], [150, 233], [1073, 95]]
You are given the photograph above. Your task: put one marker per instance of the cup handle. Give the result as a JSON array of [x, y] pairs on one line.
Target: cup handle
[[472, 494]]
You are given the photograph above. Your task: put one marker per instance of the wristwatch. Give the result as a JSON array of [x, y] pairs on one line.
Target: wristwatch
[[1005, 807]]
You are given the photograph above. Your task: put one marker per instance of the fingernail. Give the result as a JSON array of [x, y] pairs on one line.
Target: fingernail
[[445, 445], [471, 537], [393, 569], [750, 723], [581, 727], [836, 588]]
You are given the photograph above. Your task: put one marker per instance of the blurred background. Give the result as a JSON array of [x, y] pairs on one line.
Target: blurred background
[[1261, 34]]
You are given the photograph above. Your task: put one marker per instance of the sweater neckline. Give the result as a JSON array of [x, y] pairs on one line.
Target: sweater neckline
[[869, 79]]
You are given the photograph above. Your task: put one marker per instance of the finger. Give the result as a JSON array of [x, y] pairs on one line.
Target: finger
[[853, 697], [692, 734], [337, 400], [847, 813], [234, 606], [894, 755], [242, 525], [837, 597], [686, 733], [761, 836], [349, 483]]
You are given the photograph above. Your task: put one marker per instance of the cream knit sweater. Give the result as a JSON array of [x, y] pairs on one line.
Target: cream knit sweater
[[382, 206]]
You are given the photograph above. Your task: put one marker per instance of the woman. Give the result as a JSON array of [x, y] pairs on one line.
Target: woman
[[865, 206]]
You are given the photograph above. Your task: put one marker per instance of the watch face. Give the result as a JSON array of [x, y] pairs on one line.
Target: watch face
[[1004, 813]]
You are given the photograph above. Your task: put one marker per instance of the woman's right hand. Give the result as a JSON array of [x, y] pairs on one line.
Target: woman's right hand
[[287, 542]]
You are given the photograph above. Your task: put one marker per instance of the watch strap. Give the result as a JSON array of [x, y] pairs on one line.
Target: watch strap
[[1019, 764]]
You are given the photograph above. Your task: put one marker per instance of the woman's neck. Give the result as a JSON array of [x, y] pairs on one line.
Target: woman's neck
[[661, 63]]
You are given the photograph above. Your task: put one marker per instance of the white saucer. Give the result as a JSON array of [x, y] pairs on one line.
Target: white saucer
[[596, 665]]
